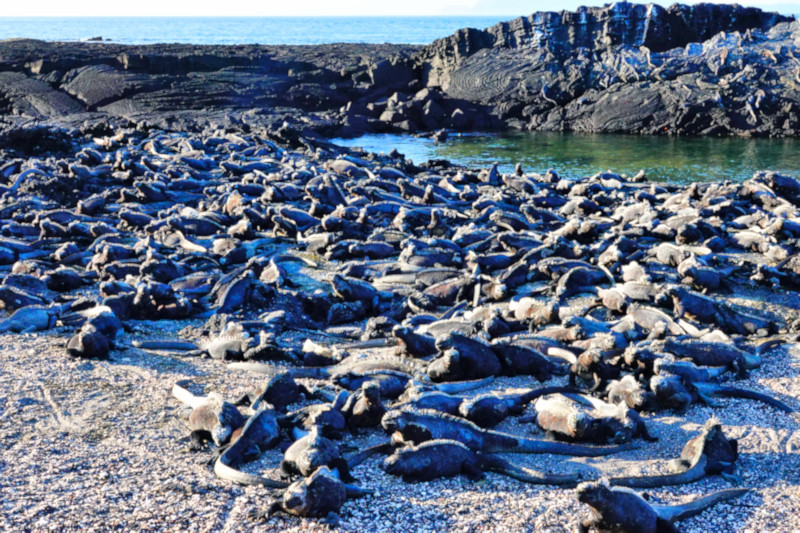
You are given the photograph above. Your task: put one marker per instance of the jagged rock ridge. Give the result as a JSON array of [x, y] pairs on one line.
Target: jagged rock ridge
[[594, 28]]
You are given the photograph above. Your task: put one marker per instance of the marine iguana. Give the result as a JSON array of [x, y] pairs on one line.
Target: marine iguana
[[89, 342], [488, 410], [280, 391], [322, 493], [364, 408], [485, 410], [707, 353], [416, 426], [260, 433], [311, 451], [583, 418], [319, 495], [631, 392], [622, 510], [463, 358], [210, 417], [33, 318], [327, 416], [709, 453], [517, 359], [445, 458], [674, 392]]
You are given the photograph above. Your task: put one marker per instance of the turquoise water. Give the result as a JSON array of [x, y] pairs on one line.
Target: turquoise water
[[242, 30], [670, 159]]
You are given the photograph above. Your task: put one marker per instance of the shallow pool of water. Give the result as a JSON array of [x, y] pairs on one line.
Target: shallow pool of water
[[671, 159]]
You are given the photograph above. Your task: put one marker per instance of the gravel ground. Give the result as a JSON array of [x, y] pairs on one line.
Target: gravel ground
[[91, 445]]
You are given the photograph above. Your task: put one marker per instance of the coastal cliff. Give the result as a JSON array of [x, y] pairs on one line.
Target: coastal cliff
[[628, 68], [593, 29]]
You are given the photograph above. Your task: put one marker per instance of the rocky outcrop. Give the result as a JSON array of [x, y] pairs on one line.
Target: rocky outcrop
[[22, 95], [161, 84], [593, 29], [731, 84], [626, 68]]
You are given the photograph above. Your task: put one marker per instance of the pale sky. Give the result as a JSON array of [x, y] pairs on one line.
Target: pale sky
[[83, 8]]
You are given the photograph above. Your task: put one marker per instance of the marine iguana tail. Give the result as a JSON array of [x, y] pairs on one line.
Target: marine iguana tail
[[527, 475], [223, 471], [524, 445], [696, 472], [709, 453], [709, 389], [166, 345], [461, 386], [675, 513], [187, 398]]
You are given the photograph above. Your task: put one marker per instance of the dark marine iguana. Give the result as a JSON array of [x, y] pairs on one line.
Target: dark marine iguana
[[709, 453], [416, 426], [463, 358], [485, 410], [260, 433], [575, 417], [323, 492], [446, 458], [707, 353], [319, 495], [311, 451], [678, 390], [621, 510], [488, 410], [327, 417], [364, 408], [211, 418]]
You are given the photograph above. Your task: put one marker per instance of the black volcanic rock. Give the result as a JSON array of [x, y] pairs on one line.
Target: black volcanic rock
[[593, 28], [628, 68], [22, 95], [65, 81], [97, 85], [706, 69]]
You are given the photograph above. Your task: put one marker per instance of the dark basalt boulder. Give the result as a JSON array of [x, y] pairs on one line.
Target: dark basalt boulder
[[97, 85]]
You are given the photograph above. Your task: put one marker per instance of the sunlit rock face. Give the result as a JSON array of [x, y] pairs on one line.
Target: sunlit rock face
[[699, 70], [594, 28]]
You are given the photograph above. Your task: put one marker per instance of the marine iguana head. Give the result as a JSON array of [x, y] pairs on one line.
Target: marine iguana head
[[579, 423], [721, 451], [594, 493], [315, 496], [372, 392]]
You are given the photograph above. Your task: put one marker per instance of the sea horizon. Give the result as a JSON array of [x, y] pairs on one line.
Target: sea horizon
[[288, 30]]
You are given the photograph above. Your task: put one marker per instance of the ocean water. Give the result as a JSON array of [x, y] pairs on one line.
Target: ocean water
[[243, 30], [667, 159]]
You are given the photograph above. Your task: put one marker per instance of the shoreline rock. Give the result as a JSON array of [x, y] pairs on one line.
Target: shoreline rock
[[622, 68], [593, 29]]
